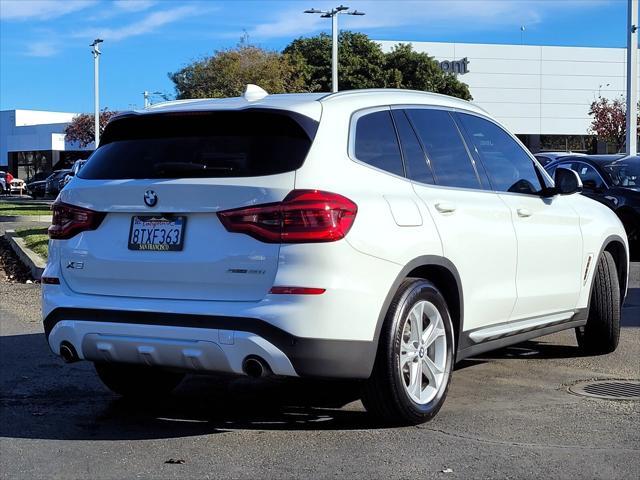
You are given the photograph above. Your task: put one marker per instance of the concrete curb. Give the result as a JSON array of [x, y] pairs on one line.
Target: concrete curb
[[26, 218], [32, 260]]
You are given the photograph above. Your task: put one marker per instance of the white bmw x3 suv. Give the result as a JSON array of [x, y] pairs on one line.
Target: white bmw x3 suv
[[379, 235]]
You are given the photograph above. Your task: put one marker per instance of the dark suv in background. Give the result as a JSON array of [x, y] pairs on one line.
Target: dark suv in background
[[545, 158], [613, 180], [55, 182]]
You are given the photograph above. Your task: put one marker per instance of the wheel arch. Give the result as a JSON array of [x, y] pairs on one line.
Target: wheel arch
[[615, 245], [444, 275]]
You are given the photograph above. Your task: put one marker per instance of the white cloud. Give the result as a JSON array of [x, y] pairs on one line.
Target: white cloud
[[148, 24], [40, 9], [133, 5], [42, 49], [433, 15], [292, 23]]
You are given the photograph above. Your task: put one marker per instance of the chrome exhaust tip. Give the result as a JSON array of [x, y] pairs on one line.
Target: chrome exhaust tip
[[255, 367], [68, 353]]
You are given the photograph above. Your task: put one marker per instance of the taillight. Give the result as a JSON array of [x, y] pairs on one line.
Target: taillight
[[304, 216], [69, 220]]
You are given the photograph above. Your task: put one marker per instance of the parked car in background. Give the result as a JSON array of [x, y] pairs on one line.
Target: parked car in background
[[547, 157], [55, 182], [379, 235], [4, 188], [613, 180], [18, 187], [77, 165], [36, 187]]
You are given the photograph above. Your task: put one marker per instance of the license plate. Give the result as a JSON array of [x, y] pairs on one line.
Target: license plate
[[157, 233]]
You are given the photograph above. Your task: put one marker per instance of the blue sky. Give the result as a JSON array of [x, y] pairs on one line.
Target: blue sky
[[45, 60]]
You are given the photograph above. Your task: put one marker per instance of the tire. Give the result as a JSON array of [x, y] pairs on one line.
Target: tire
[[602, 332], [137, 380], [390, 394]]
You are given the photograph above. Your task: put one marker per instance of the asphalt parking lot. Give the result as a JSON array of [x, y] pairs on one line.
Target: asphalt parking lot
[[508, 415]]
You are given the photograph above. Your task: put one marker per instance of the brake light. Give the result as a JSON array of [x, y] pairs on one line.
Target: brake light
[[69, 220], [304, 216]]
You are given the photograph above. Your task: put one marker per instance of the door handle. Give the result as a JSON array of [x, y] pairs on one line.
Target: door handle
[[523, 212], [445, 207]]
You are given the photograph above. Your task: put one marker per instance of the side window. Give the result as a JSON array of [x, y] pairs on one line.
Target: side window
[[591, 179], [376, 142], [450, 161], [509, 167], [414, 160]]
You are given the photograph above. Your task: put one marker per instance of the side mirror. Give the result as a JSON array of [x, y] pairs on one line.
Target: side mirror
[[567, 181]]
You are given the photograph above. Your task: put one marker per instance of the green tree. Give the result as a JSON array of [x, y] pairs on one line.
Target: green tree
[[407, 68], [227, 72], [361, 61], [363, 64]]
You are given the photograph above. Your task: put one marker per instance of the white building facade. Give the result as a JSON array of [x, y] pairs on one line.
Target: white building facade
[[541, 93], [32, 143]]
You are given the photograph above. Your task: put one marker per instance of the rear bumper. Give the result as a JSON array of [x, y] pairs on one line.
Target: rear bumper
[[202, 343], [330, 335]]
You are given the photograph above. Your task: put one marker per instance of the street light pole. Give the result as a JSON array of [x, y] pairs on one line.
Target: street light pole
[[147, 97], [333, 15], [96, 89], [632, 78], [334, 52]]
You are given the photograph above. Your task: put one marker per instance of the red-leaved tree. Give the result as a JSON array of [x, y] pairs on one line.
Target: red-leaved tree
[[81, 129], [609, 121]]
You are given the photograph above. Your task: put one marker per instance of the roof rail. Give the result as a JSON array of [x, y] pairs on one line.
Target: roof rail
[[345, 93]]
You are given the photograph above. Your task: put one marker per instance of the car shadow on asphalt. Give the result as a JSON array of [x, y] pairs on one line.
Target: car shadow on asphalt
[[43, 398]]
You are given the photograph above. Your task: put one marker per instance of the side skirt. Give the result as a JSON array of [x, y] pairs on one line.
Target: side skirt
[[469, 347]]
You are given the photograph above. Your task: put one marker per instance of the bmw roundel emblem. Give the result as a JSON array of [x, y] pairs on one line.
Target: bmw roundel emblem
[[150, 198]]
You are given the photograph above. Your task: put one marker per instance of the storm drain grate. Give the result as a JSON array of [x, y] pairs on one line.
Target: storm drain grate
[[608, 389]]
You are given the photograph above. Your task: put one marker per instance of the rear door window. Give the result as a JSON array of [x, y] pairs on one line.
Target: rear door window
[[244, 143], [415, 160], [451, 164], [376, 142]]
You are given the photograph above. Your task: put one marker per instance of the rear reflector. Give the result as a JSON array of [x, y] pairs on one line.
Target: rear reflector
[[304, 216], [296, 291], [50, 280], [69, 220]]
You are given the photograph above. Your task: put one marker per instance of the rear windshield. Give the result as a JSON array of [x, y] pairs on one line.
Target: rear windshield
[[243, 143]]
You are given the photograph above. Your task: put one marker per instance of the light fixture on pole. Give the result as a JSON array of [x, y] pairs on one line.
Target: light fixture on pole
[[147, 97], [333, 15], [632, 78], [96, 89]]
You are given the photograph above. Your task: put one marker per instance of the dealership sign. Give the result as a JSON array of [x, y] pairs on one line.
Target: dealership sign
[[455, 66]]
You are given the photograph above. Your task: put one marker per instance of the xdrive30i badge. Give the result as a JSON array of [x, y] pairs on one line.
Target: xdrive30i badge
[[150, 198]]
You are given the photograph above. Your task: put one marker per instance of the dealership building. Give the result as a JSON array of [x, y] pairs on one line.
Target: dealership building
[[541, 93], [32, 143]]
